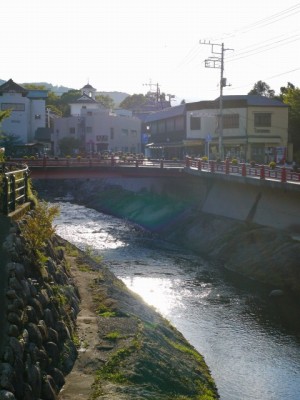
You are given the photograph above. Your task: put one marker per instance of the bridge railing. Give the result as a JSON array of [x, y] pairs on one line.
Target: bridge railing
[[13, 186], [111, 161], [281, 174]]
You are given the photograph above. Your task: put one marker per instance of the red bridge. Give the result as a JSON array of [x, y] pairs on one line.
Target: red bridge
[[62, 168]]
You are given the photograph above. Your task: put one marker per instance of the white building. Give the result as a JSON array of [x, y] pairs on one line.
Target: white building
[[28, 112], [97, 128]]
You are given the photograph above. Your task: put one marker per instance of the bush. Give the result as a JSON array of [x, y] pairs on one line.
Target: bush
[[2, 158], [37, 229], [272, 164], [234, 161], [204, 158]]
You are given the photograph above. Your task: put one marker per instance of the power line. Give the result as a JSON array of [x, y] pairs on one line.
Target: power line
[[268, 78], [265, 21], [263, 48]]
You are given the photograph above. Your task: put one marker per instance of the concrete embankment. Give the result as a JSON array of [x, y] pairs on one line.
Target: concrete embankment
[[251, 228]]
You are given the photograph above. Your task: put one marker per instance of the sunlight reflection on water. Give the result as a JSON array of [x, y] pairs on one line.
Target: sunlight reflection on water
[[239, 332]]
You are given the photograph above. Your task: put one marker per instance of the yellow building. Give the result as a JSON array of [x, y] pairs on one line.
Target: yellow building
[[247, 127]]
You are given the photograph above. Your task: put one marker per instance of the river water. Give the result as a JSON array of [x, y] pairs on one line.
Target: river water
[[250, 341]]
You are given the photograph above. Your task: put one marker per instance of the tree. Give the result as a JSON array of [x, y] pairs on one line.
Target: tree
[[67, 98], [106, 101], [68, 145], [4, 114], [290, 95], [9, 142], [284, 90], [263, 89], [33, 86], [134, 102]]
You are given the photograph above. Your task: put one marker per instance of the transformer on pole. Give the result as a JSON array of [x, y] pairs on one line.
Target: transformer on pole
[[217, 61]]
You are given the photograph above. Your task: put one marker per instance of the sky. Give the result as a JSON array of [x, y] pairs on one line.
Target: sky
[[132, 45]]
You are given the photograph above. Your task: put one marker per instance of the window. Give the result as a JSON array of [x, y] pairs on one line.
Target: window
[[89, 129], [133, 133], [37, 116], [195, 123], [125, 132], [231, 121], [262, 120], [89, 113], [102, 138], [13, 106], [72, 130], [112, 133]]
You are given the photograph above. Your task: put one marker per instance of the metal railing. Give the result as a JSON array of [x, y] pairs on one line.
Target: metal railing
[[280, 174], [14, 186], [111, 161]]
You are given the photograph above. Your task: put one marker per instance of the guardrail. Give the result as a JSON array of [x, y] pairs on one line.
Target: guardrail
[[112, 161], [281, 174], [14, 186]]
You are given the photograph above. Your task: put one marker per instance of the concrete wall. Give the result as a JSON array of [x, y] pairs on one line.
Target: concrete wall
[[269, 205]]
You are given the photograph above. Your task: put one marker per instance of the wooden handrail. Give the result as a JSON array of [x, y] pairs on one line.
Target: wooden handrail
[[14, 186]]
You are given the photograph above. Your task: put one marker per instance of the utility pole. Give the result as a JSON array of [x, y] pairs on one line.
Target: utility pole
[[218, 62], [157, 92]]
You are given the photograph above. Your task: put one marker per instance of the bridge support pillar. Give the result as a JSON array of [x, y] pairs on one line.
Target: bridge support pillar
[[199, 165], [262, 172]]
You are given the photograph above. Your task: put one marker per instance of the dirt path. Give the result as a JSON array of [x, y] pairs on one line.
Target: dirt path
[[127, 350], [79, 382]]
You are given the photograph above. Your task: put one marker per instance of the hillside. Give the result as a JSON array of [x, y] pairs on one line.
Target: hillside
[[117, 97]]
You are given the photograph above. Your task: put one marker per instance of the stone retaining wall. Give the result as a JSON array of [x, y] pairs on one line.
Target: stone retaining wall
[[40, 307]]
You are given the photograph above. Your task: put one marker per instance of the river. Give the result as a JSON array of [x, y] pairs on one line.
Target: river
[[250, 341]]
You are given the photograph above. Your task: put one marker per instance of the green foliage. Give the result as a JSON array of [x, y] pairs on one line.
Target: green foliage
[[4, 114], [234, 161], [134, 102], [105, 100], [291, 97], [91, 254], [272, 164], [60, 104], [68, 145], [59, 294], [9, 142], [33, 86], [37, 228], [113, 336], [2, 157], [262, 89]]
